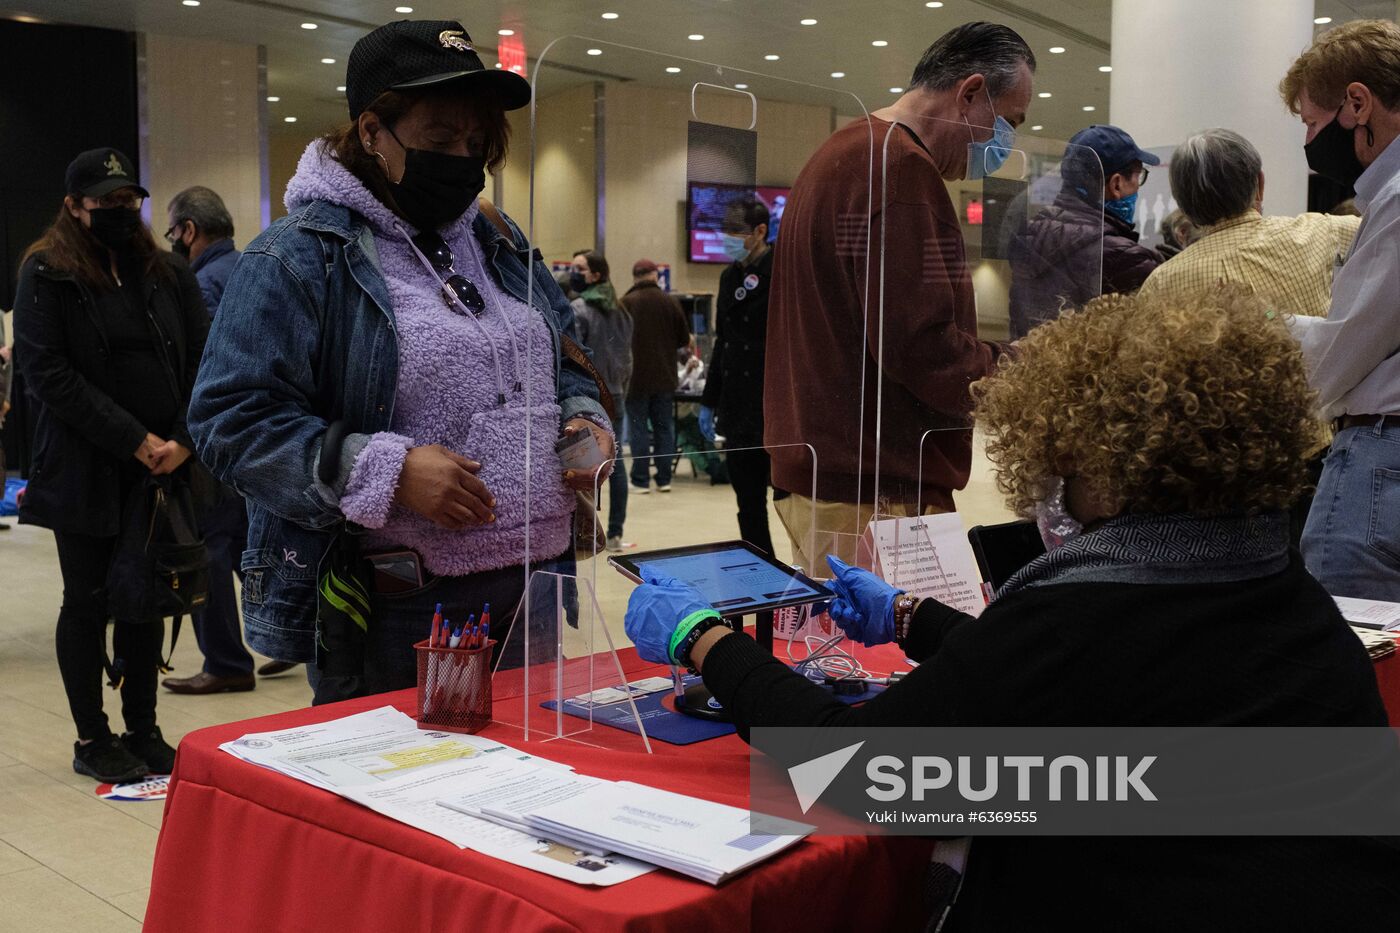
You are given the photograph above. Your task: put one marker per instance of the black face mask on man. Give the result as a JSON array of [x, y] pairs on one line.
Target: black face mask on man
[[115, 227], [436, 188], [1332, 152]]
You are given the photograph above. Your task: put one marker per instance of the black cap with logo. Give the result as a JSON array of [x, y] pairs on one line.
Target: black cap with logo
[[411, 54], [99, 172]]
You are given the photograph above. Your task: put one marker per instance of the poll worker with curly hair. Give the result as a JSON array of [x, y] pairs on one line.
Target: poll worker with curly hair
[[1159, 442]]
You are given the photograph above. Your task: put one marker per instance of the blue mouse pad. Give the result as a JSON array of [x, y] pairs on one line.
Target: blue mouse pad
[[664, 723]]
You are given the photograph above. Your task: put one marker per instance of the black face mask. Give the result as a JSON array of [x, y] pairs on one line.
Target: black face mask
[[437, 188], [115, 227], [1332, 152], [578, 282], [181, 248]]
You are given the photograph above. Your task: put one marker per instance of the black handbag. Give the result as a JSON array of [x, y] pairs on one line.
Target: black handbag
[[160, 568]]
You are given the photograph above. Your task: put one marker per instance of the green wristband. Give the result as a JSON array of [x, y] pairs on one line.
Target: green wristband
[[688, 623]]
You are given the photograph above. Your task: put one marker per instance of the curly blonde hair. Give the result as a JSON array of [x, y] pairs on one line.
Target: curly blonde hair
[[1171, 403]]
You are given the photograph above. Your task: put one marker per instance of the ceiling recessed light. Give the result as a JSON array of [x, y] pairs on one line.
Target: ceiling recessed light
[[770, 58], [499, 65], [595, 51], [328, 61], [1056, 49], [673, 70], [896, 90], [695, 37], [340, 88], [879, 43], [838, 74], [741, 87], [1089, 108], [1037, 128], [1043, 94], [289, 119], [1105, 68], [609, 16], [1322, 20], [933, 4], [403, 9], [809, 22], [190, 2], [505, 32], [273, 100], [308, 25]]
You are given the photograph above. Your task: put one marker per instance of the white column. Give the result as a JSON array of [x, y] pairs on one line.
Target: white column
[[1185, 65]]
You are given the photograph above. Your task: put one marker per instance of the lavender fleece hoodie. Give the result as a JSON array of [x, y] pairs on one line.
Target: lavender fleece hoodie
[[451, 368]]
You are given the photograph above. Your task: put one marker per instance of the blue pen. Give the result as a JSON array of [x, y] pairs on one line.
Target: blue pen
[[470, 631], [456, 638], [485, 634]]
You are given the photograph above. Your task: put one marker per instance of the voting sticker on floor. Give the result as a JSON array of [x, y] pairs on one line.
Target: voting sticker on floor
[[152, 788]]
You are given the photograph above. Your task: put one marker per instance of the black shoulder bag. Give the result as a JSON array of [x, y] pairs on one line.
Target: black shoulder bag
[[160, 567]]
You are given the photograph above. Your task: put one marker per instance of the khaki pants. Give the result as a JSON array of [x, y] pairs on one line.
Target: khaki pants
[[817, 528]]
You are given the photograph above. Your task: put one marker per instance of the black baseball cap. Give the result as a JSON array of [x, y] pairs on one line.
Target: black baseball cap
[[1115, 148], [101, 171], [411, 54]]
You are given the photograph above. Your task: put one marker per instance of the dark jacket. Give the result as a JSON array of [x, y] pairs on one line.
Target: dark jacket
[[659, 329], [1071, 252], [212, 268], [82, 436], [734, 384], [1271, 651], [605, 328]]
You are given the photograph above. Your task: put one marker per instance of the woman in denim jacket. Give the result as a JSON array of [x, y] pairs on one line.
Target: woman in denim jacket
[[381, 357]]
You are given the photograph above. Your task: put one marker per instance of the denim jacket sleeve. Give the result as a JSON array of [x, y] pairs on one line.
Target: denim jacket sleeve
[[252, 413]]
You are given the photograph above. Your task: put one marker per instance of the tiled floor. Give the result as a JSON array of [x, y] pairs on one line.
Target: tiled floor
[[70, 861]]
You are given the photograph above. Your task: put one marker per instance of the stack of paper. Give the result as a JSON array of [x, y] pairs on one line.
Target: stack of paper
[[1377, 644], [1370, 613], [708, 841]]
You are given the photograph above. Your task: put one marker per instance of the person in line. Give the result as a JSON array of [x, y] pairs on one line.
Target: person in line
[[659, 330], [381, 357], [606, 329], [201, 230], [109, 329], [1217, 177], [1346, 89], [732, 404], [1162, 499], [1177, 233], [838, 331], [1086, 243]]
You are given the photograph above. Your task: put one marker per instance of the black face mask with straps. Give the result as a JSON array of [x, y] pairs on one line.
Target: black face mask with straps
[[115, 227], [436, 188], [1332, 152]]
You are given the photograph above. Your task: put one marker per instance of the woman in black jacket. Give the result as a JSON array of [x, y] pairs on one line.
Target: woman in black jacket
[[1159, 443], [109, 330]]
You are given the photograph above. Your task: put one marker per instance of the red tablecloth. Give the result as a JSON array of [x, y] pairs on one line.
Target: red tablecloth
[[243, 848], [1388, 679]]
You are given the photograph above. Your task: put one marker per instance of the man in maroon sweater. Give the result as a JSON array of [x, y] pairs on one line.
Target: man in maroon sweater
[[878, 185]]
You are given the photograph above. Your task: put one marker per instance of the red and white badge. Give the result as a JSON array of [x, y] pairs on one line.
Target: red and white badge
[[751, 281], [153, 788]]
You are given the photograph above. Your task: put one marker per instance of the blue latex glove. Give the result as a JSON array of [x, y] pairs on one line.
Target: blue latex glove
[[655, 609], [707, 423], [864, 604]]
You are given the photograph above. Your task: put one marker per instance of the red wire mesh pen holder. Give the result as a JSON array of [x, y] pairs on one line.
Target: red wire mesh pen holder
[[454, 687]]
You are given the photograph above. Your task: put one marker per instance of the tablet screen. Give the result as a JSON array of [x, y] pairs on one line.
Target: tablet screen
[[732, 577]]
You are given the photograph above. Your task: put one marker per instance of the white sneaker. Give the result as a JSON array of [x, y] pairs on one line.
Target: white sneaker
[[661, 488], [638, 490], [615, 543]]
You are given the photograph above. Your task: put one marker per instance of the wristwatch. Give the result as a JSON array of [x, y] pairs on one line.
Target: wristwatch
[[904, 605], [682, 650]]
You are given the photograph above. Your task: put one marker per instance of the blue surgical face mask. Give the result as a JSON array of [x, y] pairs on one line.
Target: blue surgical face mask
[[1125, 209], [986, 157], [734, 247]]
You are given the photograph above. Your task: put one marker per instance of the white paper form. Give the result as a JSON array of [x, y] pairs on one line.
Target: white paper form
[[1370, 613], [929, 556], [414, 799], [368, 747]]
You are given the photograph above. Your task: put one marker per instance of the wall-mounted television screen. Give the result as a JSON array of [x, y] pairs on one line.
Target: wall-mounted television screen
[[706, 205]]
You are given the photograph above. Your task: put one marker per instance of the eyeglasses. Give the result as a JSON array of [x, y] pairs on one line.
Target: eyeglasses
[[173, 235], [1139, 176], [440, 256], [130, 200]]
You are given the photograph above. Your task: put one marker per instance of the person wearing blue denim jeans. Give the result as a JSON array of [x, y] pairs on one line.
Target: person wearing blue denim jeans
[[1351, 541], [659, 330]]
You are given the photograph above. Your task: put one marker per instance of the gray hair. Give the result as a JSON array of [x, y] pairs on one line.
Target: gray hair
[[1215, 176], [990, 49], [205, 208]]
